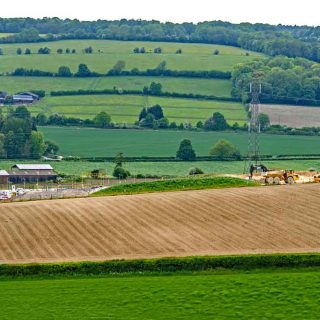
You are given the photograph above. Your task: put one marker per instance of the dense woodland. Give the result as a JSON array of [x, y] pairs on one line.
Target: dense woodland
[[19, 137], [292, 41], [283, 79]]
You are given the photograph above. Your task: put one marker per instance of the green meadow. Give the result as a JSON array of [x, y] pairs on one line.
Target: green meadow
[[174, 169], [225, 296], [107, 53], [126, 108], [164, 143], [217, 87]]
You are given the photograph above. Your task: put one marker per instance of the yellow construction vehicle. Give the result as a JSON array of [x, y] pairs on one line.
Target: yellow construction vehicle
[[316, 178], [276, 176]]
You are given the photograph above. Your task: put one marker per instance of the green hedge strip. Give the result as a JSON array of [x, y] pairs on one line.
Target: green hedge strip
[[186, 264]]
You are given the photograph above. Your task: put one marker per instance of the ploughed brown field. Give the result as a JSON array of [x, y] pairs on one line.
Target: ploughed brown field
[[292, 116], [207, 222]]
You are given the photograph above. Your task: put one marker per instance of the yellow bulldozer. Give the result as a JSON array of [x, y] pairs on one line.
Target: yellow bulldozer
[[317, 178], [274, 176], [277, 176]]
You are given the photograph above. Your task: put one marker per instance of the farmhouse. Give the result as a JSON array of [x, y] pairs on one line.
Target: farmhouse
[[31, 173], [3, 96], [4, 177], [24, 98]]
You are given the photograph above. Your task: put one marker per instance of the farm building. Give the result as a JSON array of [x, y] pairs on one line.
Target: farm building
[[3, 96], [24, 98], [4, 177], [31, 173]]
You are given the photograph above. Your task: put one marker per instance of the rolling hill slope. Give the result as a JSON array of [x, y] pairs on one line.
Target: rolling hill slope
[[217, 87], [193, 57], [257, 220]]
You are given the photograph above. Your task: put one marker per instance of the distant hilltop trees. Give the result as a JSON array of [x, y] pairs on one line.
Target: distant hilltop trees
[[291, 41]]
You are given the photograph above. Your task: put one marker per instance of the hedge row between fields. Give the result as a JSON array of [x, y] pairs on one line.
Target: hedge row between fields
[[210, 74], [141, 92], [185, 264]]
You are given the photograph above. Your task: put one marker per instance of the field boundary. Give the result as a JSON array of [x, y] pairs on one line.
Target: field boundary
[[163, 265], [142, 93]]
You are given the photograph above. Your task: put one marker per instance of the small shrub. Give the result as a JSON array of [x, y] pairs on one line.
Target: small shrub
[[120, 173], [194, 171]]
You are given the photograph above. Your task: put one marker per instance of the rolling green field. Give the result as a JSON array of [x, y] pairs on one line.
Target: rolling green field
[[233, 295], [194, 56], [126, 108], [99, 142], [3, 35], [191, 183], [220, 88], [82, 168]]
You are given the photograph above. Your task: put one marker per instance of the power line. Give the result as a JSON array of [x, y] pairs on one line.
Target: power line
[[254, 126]]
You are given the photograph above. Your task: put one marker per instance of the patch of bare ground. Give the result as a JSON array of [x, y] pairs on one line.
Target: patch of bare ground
[[292, 116], [208, 222]]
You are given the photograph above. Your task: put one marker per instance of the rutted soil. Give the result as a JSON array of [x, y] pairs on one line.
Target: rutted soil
[[207, 222]]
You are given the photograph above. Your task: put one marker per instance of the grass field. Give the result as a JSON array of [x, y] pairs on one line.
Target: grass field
[[269, 295], [4, 35], [126, 108], [194, 183], [95, 142], [194, 57], [221, 88], [166, 168]]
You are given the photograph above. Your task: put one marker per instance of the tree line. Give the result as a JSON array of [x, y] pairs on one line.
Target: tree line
[[118, 70], [283, 80], [146, 91], [19, 137], [292, 41]]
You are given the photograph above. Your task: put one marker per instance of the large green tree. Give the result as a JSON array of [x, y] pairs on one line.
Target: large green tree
[[185, 151], [216, 123], [38, 146], [225, 150], [64, 71], [102, 120]]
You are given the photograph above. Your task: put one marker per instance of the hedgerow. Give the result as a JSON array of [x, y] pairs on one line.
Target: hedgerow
[[184, 264]]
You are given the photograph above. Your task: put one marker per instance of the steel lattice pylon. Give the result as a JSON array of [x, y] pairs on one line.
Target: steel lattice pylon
[[253, 156]]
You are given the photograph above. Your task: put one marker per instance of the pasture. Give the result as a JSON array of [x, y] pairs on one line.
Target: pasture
[[217, 87], [263, 295], [126, 108], [181, 168], [164, 143], [194, 56]]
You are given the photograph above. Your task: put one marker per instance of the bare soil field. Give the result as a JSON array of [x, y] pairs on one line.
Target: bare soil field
[[207, 222], [292, 116]]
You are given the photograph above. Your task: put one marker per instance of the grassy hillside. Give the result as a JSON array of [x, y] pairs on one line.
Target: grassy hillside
[[221, 88], [95, 142], [194, 56], [194, 183], [126, 108], [238, 295]]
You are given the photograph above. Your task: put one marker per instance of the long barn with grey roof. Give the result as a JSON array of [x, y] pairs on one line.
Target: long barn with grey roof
[[31, 173]]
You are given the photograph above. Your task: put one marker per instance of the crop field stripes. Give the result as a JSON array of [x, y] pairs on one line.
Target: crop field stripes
[[207, 222]]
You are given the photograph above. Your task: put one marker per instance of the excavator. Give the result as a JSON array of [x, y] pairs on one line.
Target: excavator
[[274, 176]]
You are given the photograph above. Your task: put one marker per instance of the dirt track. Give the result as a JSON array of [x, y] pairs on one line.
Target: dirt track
[[209, 222]]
